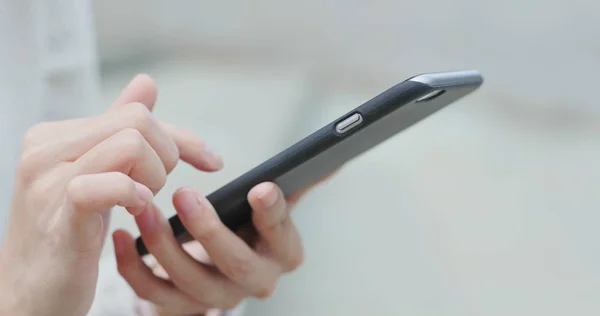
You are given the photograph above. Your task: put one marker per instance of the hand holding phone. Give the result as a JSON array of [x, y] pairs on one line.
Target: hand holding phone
[[345, 138]]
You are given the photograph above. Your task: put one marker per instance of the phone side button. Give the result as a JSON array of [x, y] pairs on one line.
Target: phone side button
[[349, 123]]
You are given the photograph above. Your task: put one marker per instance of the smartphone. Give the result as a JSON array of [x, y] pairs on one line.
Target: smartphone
[[345, 138]]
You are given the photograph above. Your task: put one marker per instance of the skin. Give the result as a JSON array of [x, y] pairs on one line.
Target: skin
[[73, 172]]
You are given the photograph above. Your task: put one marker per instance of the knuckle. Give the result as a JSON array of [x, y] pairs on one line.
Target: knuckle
[[171, 160], [124, 184], [29, 166], [76, 192], [130, 188], [294, 261], [144, 121], [33, 134], [35, 151], [141, 117], [119, 178], [124, 180], [133, 137], [158, 181], [240, 267], [133, 143]]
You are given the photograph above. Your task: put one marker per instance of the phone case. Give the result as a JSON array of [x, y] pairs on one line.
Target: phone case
[[330, 147]]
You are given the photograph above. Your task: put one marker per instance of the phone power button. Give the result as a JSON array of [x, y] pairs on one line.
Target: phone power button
[[349, 123]]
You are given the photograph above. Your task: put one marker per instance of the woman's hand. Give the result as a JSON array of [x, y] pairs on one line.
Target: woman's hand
[[71, 173], [220, 268]]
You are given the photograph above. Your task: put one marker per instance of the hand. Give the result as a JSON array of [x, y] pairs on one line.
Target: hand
[[221, 268], [71, 173]]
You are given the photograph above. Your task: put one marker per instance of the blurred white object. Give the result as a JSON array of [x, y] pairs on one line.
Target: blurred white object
[[49, 72]]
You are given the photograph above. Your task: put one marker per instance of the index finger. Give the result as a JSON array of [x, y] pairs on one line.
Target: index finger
[[141, 89], [192, 149]]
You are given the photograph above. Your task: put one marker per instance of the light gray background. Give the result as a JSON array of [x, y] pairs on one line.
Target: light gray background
[[488, 208]]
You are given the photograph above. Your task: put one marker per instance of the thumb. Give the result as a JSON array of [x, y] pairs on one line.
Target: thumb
[[141, 89], [88, 197]]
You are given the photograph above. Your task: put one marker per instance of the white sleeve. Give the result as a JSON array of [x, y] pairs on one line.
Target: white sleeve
[[114, 297]]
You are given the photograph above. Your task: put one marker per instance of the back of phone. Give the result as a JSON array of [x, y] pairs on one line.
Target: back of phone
[[379, 119]]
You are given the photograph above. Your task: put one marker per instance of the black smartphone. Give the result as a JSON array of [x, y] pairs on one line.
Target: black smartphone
[[330, 147]]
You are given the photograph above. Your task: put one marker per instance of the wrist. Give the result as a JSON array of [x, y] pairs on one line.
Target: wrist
[[13, 300], [10, 304]]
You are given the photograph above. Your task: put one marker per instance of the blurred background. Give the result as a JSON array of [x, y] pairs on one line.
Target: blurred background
[[489, 207]]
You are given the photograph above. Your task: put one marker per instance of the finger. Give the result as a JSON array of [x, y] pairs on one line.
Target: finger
[[271, 218], [131, 116], [96, 192], [193, 150], [231, 255], [88, 196], [171, 143], [141, 89], [145, 284], [196, 280], [194, 249], [126, 152], [130, 110]]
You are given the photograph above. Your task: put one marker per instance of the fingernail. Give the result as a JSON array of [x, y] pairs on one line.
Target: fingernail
[[191, 203], [147, 219], [216, 161], [267, 194], [119, 246], [143, 193]]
